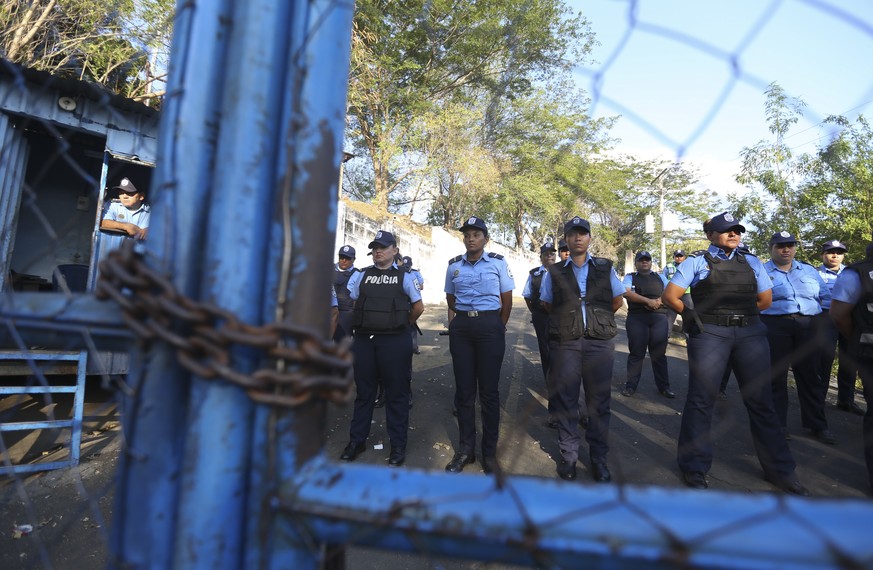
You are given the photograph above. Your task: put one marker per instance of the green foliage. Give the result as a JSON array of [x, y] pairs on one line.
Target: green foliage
[[109, 42]]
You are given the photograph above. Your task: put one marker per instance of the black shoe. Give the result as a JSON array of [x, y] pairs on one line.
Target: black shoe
[[352, 451], [459, 461], [455, 412], [552, 423], [790, 486], [600, 472], [397, 457], [416, 351], [583, 421], [490, 465], [567, 470], [825, 436], [695, 480], [628, 392], [380, 399], [668, 393], [851, 407]]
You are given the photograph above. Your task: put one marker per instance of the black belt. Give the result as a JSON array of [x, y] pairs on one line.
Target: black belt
[[476, 313], [791, 316], [729, 320]]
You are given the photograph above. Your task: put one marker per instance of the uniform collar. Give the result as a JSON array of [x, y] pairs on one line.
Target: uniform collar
[[570, 261], [794, 265], [715, 250], [836, 271], [484, 257]]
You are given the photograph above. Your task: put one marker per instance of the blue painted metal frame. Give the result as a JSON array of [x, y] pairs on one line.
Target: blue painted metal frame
[[74, 424]]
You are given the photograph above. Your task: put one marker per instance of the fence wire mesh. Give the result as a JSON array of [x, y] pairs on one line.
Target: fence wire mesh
[[66, 146]]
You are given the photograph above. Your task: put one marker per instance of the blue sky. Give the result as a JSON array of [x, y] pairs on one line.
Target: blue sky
[[670, 73]]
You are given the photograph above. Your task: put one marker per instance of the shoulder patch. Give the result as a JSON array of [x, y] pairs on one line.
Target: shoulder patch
[[495, 255], [601, 262], [456, 259]]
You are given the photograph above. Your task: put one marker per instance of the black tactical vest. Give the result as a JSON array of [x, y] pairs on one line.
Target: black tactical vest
[[649, 286], [344, 299], [382, 306], [861, 343], [536, 280], [730, 288], [565, 320]]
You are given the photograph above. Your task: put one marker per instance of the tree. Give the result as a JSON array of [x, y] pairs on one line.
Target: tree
[[116, 43], [837, 197], [410, 58], [771, 166]]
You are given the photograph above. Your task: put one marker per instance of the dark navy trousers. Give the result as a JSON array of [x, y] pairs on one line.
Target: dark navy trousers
[[847, 369], [477, 345], [576, 363], [386, 358], [865, 369], [647, 331], [747, 352], [793, 342], [540, 322]]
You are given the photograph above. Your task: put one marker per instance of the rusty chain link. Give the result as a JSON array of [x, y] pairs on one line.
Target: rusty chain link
[[204, 334]]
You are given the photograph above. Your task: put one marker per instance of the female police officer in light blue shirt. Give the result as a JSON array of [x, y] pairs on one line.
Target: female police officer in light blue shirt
[[729, 289], [798, 294], [479, 290]]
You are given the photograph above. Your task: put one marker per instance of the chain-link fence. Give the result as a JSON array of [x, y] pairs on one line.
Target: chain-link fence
[[214, 443]]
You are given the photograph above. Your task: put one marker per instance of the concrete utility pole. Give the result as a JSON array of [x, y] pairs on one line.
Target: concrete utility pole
[[661, 192]]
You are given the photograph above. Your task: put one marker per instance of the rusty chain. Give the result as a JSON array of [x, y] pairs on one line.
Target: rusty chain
[[203, 335]]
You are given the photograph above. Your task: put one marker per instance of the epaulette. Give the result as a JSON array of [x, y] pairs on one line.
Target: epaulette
[[534, 271], [495, 255], [698, 253], [456, 259]]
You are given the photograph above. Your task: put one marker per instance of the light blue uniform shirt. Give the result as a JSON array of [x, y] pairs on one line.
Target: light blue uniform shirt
[[354, 284], [847, 287], [477, 286], [628, 280], [333, 302], [581, 274], [118, 213], [417, 279], [696, 269], [526, 292], [798, 290], [829, 276]]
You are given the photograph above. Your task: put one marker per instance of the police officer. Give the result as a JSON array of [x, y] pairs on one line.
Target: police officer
[[563, 250], [581, 296], [833, 252], [646, 325], [669, 270], [540, 318], [479, 291], [343, 270], [798, 293], [851, 313], [729, 289], [387, 303]]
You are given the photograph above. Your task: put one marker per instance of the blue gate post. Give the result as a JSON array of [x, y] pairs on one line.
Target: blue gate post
[[248, 164]]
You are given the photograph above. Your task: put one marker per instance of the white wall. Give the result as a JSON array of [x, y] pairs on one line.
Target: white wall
[[430, 248]]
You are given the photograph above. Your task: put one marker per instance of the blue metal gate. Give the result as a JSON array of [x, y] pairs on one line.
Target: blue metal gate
[[224, 466]]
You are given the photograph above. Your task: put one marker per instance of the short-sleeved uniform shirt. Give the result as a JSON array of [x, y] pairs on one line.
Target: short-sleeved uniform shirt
[[798, 290], [628, 280], [581, 274], [829, 276], [118, 213], [354, 284], [477, 286], [696, 269], [847, 287], [527, 292]]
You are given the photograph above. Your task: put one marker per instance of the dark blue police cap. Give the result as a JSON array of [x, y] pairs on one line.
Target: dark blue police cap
[[577, 223], [126, 186], [782, 237], [834, 244], [562, 245], [546, 247], [643, 255], [383, 239], [474, 223], [346, 251], [722, 223]]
